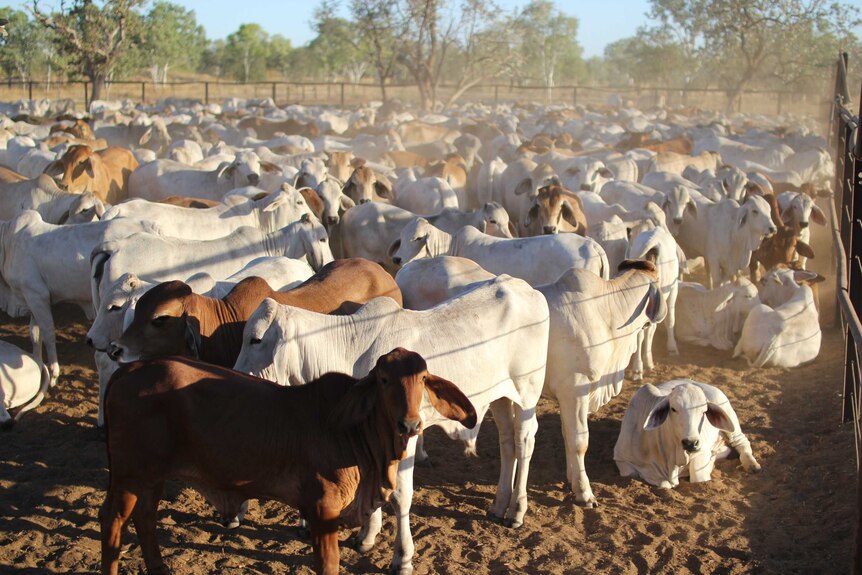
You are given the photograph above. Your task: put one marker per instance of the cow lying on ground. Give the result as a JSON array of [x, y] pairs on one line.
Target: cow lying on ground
[[678, 429], [340, 442], [23, 382]]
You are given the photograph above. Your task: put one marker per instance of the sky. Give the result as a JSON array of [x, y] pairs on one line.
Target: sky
[[601, 21]]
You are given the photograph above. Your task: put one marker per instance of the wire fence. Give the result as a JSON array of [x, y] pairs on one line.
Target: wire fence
[[346, 94]]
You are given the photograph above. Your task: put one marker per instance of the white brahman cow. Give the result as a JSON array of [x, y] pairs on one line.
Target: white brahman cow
[[788, 333], [23, 382], [678, 429]]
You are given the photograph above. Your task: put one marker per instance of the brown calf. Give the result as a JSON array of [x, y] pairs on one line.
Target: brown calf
[[105, 173], [329, 448], [366, 185], [556, 210], [171, 320]]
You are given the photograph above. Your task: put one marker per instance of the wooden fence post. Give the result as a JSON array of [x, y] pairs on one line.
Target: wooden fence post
[[342, 95]]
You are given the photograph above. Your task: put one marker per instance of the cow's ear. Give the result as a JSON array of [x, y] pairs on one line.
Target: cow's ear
[[804, 249], [383, 186], [569, 215], [523, 187], [512, 229], [146, 137], [396, 245], [347, 203], [54, 169], [270, 168], [88, 166], [718, 417], [349, 187], [531, 215], [193, 335], [817, 216], [657, 415], [691, 207], [449, 401], [313, 200]]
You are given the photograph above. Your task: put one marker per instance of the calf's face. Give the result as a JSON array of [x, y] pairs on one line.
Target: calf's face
[[161, 326], [685, 409]]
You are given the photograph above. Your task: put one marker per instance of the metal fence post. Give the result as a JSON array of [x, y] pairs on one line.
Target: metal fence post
[[143, 92], [30, 90], [342, 94], [273, 91], [206, 92]]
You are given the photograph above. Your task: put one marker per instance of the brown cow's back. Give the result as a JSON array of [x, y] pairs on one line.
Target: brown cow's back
[[120, 163]]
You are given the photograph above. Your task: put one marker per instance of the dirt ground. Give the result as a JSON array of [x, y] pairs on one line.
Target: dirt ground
[[795, 517]]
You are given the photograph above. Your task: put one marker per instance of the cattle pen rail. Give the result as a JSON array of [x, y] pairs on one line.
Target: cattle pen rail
[[344, 94], [847, 237]]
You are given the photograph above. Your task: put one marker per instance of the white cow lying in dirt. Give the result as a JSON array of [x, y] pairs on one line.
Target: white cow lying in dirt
[[678, 429], [23, 382], [788, 333]]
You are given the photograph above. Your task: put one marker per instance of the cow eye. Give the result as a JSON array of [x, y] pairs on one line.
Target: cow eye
[[157, 321], [492, 222], [114, 308], [300, 203], [754, 212], [323, 240], [673, 409], [254, 341]]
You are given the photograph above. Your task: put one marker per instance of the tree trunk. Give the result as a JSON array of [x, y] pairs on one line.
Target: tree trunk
[[98, 81], [383, 89]]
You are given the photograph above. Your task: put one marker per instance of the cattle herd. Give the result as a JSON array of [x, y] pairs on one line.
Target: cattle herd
[[392, 271]]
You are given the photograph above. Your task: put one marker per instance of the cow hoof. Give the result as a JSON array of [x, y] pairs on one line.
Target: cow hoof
[[673, 352], [401, 570], [511, 523], [231, 523], [360, 545], [496, 518]]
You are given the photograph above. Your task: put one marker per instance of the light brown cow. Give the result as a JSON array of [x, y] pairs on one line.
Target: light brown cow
[[555, 210], [453, 169], [329, 448], [780, 248], [105, 173], [266, 128], [171, 320], [404, 159], [10, 176], [417, 132], [341, 164], [78, 128], [367, 185]]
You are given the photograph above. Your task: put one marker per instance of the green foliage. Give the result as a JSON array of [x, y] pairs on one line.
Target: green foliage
[[549, 48], [245, 53], [28, 50], [172, 38]]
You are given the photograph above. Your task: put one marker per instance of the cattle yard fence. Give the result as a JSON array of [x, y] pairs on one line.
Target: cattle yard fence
[[847, 236], [346, 94]]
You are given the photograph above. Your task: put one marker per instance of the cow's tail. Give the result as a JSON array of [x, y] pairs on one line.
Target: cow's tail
[[98, 258], [37, 399]]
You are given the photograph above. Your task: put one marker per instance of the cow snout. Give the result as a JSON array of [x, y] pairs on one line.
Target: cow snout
[[115, 352], [253, 179], [90, 342], [803, 225], [772, 230], [396, 260], [332, 220], [410, 427], [364, 201], [677, 221], [691, 445], [549, 229]]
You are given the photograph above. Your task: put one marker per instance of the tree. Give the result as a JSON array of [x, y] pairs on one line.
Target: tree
[[94, 37], [26, 46], [278, 54], [336, 46], [172, 37], [744, 40], [246, 51], [650, 57], [549, 39], [383, 34]]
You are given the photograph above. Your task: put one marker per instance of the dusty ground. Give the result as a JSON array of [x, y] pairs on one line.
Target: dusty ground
[[794, 517]]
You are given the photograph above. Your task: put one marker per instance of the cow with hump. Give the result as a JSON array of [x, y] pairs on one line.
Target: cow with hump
[[171, 320], [491, 340], [338, 443]]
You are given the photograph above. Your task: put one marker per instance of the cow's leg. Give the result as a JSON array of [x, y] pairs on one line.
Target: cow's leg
[[526, 426], [326, 555], [106, 368], [637, 358], [421, 454], [144, 516], [649, 335], [401, 500], [367, 535], [670, 320], [502, 410], [39, 302], [115, 511], [573, 414]]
